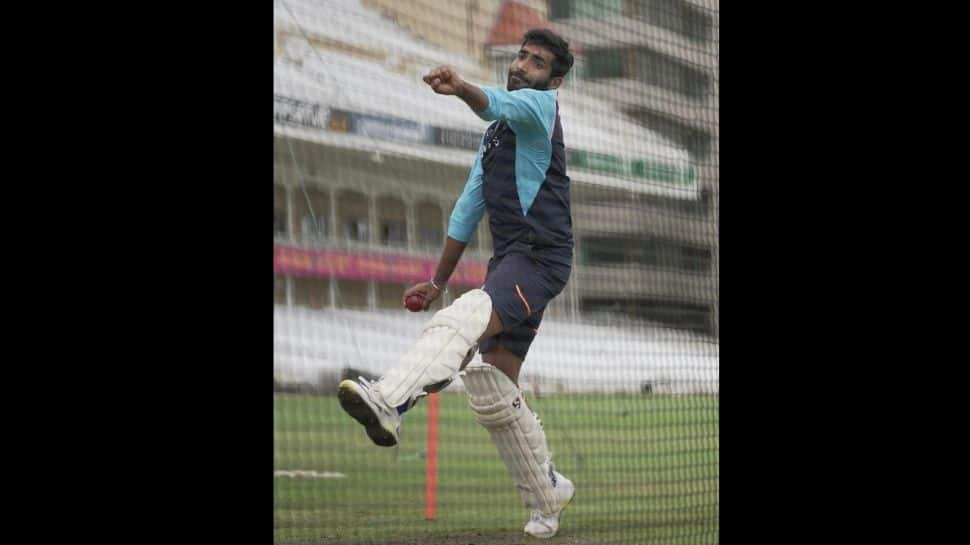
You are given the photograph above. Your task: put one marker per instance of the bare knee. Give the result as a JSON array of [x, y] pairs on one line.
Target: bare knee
[[505, 360]]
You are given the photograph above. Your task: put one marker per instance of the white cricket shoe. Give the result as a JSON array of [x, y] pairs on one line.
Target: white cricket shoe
[[382, 423], [543, 526]]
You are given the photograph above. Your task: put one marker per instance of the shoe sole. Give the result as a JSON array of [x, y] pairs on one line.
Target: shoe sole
[[356, 407]]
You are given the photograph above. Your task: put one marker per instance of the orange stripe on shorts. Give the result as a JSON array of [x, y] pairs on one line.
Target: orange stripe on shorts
[[528, 309]]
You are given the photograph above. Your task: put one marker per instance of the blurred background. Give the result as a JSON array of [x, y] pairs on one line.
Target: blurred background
[[368, 163]]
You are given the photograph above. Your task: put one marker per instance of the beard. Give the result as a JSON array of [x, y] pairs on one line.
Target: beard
[[523, 83]]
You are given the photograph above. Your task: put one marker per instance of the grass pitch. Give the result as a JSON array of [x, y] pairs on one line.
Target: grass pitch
[[645, 469]]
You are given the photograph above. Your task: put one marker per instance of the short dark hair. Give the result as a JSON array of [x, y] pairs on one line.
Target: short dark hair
[[562, 59]]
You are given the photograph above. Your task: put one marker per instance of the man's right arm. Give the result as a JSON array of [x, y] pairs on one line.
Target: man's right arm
[[464, 220], [449, 260]]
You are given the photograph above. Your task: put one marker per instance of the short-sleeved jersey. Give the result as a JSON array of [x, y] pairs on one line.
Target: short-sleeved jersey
[[519, 176]]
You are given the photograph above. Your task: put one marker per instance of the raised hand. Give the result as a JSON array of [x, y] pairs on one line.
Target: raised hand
[[444, 80]]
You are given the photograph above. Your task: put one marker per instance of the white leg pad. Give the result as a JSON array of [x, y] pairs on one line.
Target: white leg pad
[[440, 350], [500, 407]]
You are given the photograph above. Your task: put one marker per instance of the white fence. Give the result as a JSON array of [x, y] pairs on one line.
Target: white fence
[[313, 346]]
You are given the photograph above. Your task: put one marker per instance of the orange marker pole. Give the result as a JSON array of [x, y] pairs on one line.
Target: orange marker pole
[[431, 462]]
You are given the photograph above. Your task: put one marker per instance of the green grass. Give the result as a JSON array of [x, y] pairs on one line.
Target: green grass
[[645, 468]]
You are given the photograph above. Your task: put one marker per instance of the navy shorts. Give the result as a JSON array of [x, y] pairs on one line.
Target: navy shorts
[[520, 288]]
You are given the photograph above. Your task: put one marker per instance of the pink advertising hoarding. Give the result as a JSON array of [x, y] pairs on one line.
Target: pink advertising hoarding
[[295, 261]]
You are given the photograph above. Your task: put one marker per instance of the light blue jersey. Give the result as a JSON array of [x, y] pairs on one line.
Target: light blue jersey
[[532, 117]]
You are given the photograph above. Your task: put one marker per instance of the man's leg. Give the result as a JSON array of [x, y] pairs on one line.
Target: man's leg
[[504, 360], [520, 291], [446, 343], [500, 407]]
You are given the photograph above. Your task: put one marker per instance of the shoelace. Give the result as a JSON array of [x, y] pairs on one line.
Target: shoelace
[[366, 384]]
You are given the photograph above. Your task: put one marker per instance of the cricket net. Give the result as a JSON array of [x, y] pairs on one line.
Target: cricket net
[[368, 164]]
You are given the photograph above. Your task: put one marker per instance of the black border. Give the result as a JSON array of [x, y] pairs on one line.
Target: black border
[[171, 370], [173, 125], [805, 277]]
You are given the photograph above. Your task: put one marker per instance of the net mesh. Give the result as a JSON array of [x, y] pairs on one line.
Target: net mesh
[[368, 165]]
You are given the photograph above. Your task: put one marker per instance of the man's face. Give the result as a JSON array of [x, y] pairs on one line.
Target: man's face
[[532, 68]]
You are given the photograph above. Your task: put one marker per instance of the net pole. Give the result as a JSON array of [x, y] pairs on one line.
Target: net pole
[[431, 462]]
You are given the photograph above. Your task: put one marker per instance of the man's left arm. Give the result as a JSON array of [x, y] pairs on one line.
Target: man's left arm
[[525, 107], [529, 108], [445, 80]]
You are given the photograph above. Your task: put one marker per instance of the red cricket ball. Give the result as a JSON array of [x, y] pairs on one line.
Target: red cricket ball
[[415, 303]]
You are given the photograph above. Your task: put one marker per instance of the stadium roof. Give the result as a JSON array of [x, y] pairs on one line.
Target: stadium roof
[[514, 19], [347, 72]]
